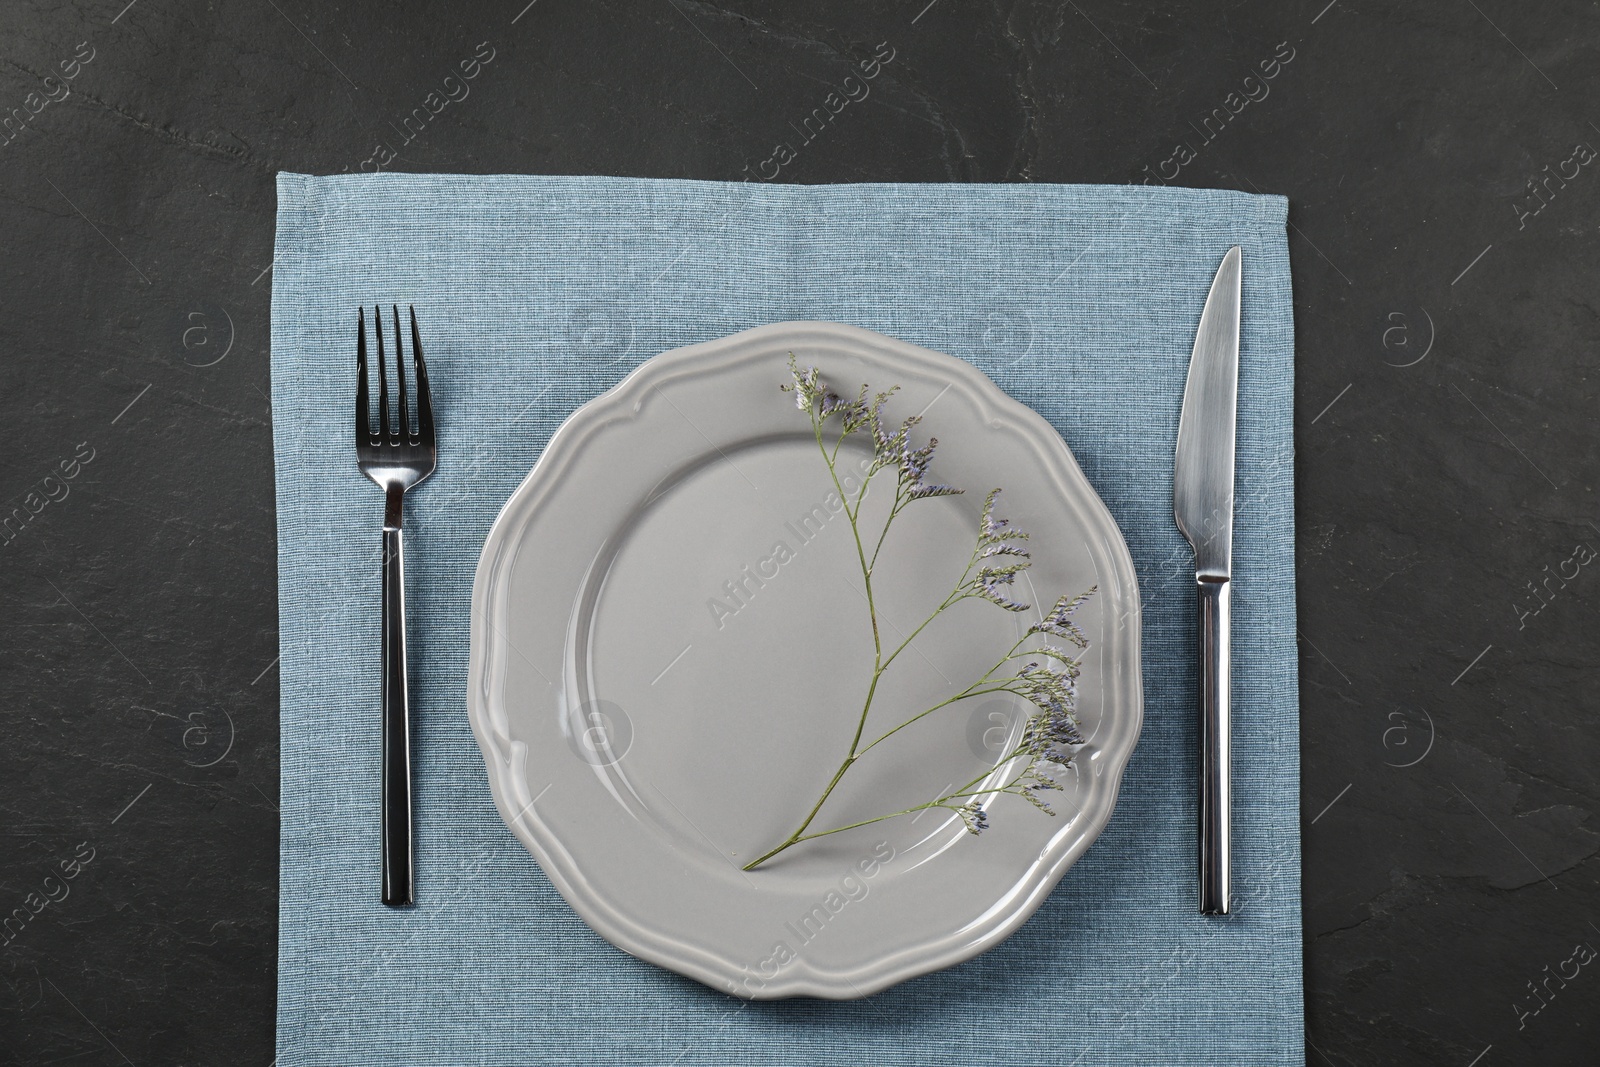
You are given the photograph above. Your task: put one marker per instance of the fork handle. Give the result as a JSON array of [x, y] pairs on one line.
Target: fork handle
[[397, 864]]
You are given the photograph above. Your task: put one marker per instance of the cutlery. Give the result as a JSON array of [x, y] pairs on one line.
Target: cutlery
[[1202, 497], [396, 454]]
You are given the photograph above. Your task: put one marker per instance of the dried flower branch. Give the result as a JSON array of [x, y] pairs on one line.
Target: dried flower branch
[[1048, 679]]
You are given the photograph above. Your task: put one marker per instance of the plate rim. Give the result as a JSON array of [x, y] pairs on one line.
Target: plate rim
[[708, 967]]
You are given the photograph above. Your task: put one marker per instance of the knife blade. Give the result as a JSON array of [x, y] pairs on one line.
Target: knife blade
[[1202, 499]]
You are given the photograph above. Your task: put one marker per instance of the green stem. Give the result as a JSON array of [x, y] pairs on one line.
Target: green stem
[[872, 611], [965, 694], [965, 791], [893, 511], [1010, 655], [943, 802], [880, 664], [954, 597], [753, 864], [855, 531]]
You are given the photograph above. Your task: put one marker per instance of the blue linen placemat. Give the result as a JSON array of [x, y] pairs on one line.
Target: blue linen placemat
[[537, 293]]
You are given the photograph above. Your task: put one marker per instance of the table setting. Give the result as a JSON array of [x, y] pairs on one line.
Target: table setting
[[798, 533], [642, 711]]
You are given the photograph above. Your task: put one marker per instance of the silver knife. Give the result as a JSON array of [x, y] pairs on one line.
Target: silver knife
[[1202, 500]]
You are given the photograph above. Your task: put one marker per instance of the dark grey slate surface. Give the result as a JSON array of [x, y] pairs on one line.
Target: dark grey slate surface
[[1446, 423]]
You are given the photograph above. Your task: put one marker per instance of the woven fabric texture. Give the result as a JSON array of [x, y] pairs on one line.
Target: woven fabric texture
[[536, 294]]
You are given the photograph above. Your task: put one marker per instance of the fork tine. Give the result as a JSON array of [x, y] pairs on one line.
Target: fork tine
[[383, 376], [404, 411], [424, 401], [363, 417]]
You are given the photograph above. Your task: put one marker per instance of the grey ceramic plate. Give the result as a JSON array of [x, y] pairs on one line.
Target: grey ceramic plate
[[670, 648]]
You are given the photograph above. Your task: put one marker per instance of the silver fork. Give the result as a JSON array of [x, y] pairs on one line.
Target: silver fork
[[396, 454]]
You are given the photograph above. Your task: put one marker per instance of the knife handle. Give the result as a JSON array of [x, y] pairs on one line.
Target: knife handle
[[1216, 787]]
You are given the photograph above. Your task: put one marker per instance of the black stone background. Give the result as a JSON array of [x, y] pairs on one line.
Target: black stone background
[[1444, 424]]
